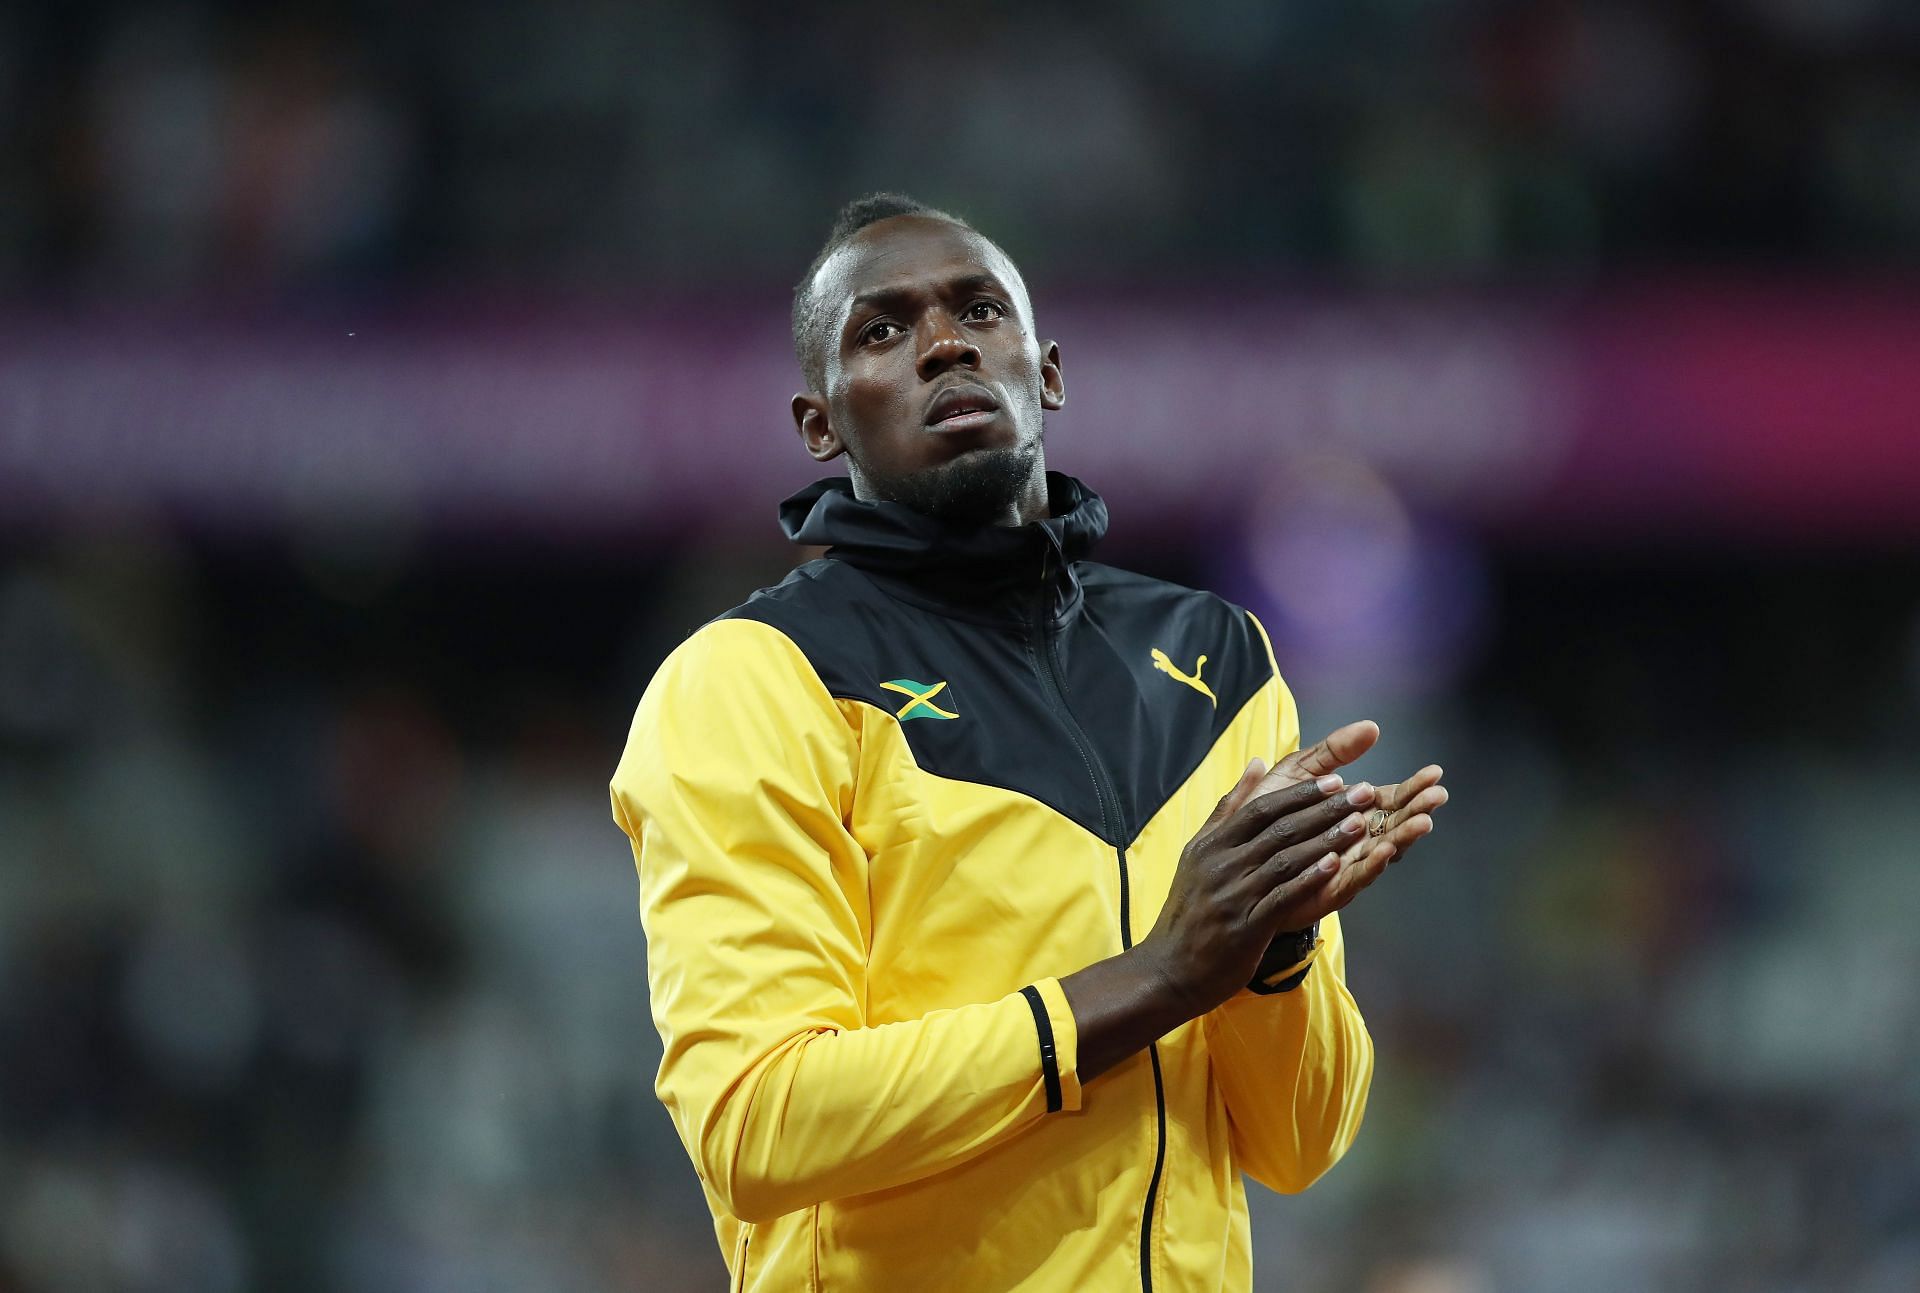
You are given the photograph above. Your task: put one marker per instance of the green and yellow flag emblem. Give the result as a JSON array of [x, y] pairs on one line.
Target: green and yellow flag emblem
[[919, 699]]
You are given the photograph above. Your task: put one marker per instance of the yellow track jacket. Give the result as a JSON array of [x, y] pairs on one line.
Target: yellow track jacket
[[878, 812]]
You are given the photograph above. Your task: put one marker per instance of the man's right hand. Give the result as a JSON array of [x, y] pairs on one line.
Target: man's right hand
[[1251, 871]]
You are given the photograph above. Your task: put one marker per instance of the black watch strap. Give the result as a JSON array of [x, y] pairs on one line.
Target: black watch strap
[[1289, 947]]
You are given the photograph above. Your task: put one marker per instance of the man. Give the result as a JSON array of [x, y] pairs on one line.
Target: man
[[986, 952]]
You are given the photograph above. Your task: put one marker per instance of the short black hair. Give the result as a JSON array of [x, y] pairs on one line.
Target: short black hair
[[809, 325]]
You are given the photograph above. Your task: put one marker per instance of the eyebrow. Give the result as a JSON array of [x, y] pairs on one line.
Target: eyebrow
[[889, 297]]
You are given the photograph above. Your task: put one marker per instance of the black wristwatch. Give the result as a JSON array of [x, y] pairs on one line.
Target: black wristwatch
[[1289, 947]]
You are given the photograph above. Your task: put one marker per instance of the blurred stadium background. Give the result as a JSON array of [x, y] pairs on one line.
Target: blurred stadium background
[[385, 388]]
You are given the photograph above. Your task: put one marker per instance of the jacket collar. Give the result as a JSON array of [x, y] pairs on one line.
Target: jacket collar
[[999, 570]]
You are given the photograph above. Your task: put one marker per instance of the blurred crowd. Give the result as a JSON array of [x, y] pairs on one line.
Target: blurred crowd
[[319, 963], [238, 149]]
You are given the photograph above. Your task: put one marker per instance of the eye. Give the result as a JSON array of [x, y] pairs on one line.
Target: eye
[[877, 331], [985, 311]]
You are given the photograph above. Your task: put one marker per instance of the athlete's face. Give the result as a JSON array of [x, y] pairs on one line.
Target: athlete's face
[[936, 385]]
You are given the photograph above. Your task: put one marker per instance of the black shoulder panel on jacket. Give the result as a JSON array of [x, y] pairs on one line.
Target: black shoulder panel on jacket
[[1159, 671], [1122, 683]]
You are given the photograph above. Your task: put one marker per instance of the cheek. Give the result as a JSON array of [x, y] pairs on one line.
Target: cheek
[[874, 410], [875, 400], [1020, 361], [1023, 380]]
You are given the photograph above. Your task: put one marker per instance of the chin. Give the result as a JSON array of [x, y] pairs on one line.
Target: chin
[[978, 487]]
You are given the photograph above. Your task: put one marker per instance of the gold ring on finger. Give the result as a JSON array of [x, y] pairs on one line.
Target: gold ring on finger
[[1378, 822]]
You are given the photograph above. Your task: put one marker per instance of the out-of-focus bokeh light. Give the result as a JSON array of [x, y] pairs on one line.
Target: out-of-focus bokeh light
[[1355, 593]]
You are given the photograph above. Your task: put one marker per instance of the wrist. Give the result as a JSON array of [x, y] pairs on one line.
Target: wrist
[[1175, 995]]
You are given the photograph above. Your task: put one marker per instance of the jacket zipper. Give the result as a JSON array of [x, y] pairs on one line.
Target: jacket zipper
[[1110, 820]]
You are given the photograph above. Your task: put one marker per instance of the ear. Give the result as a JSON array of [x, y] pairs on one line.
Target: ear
[[816, 432], [1053, 387]]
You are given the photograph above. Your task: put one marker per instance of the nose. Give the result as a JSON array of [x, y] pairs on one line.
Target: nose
[[944, 346]]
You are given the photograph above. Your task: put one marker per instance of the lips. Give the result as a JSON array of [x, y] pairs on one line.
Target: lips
[[957, 402]]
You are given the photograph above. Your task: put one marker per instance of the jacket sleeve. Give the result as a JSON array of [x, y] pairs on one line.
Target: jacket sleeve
[[735, 789], [1293, 1065], [1294, 1068]]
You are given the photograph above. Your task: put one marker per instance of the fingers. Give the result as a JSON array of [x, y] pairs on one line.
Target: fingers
[[1345, 828], [1325, 887], [1401, 793], [1249, 785], [1415, 821], [1305, 824], [1296, 902], [1335, 750], [1231, 801], [1354, 877], [1262, 810], [1427, 800], [1403, 836], [1303, 893]]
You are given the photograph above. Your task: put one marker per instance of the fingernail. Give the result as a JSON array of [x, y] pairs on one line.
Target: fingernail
[[1328, 784], [1360, 794], [1352, 826], [1331, 862]]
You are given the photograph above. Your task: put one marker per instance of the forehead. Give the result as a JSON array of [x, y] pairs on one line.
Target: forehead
[[911, 253]]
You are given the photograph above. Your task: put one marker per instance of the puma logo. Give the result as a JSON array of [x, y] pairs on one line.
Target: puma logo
[[1178, 674]]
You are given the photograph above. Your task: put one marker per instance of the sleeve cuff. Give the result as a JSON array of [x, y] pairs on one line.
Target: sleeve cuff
[[1059, 1044], [1289, 977]]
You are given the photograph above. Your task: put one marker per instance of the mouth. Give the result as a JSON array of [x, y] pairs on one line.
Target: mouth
[[962, 407]]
